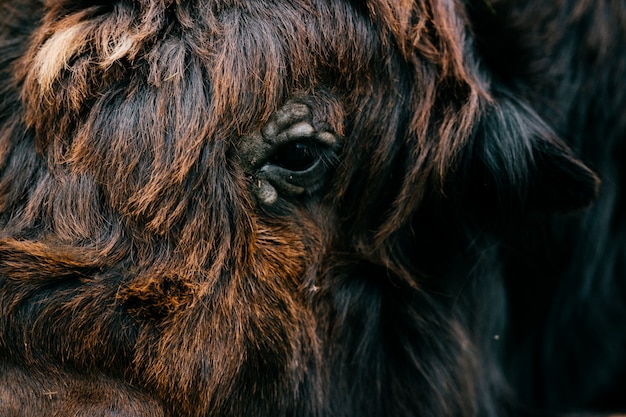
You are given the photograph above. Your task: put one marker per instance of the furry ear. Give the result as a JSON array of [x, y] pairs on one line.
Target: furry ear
[[516, 163]]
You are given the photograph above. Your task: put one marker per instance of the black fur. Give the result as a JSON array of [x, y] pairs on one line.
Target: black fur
[[312, 208]]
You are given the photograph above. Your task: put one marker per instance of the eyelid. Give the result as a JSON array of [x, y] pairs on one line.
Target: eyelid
[[290, 156]]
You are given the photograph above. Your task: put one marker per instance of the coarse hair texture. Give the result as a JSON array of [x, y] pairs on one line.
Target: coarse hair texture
[[311, 207]]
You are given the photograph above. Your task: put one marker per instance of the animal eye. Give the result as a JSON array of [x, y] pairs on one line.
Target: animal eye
[[296, 156]]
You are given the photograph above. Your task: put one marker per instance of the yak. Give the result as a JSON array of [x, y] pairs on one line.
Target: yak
[[312, 208]]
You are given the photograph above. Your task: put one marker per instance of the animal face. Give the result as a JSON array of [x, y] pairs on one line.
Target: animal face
[[253, 208]]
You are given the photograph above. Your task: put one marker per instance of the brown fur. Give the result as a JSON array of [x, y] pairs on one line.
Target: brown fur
[[142, 275]]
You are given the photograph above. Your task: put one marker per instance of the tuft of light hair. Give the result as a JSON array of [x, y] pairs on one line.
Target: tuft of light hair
[[56, 52]]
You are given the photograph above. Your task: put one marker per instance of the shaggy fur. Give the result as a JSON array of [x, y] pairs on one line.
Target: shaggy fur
[[312, 207]]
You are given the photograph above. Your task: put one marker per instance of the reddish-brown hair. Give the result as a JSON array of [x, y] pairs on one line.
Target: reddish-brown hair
[[135, 262]]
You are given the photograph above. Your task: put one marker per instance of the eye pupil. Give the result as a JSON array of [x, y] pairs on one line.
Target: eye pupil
[[295, 156]]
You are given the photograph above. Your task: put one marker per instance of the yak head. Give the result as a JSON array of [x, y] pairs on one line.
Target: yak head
[[222, 202]]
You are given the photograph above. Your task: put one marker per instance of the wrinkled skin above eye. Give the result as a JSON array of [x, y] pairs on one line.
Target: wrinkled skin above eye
[[288, 156]]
